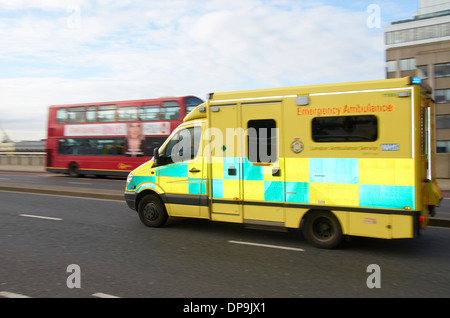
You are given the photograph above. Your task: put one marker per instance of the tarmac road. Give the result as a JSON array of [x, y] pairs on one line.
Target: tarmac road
[[44, 236]]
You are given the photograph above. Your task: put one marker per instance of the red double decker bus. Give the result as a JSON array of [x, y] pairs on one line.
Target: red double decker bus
[[110, 138]]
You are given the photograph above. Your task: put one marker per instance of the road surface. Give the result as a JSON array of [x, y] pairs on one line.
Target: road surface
[[42, 235]]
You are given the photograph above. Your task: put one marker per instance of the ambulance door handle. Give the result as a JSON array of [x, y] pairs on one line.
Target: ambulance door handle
[[276, 172], [194, 170]]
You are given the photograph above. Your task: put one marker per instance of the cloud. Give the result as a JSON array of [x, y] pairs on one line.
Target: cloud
[[56, 52]]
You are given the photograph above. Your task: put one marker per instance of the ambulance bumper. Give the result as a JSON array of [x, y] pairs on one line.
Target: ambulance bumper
[[130, 199]]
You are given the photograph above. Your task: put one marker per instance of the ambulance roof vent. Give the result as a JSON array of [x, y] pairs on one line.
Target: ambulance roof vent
[[302, 100]]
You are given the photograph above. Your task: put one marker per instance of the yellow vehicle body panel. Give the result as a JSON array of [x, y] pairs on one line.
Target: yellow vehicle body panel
[[378, 182]]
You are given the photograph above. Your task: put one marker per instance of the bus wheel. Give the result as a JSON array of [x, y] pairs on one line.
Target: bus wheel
[[322, 229], [152, 211], [73, 170]]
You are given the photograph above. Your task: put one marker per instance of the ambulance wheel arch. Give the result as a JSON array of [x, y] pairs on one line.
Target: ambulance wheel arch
[[322, 229], [151, 209]]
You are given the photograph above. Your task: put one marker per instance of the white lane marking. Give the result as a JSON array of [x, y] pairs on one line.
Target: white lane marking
[[64, 196], [40, 217], [12, 295], [6, 294], [268, 245], [438, 227], [102, 295]]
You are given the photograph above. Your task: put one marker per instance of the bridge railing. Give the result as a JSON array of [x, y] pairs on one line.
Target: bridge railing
[[22, 159]]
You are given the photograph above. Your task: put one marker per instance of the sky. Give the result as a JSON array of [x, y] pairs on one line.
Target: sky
[[78, 51]]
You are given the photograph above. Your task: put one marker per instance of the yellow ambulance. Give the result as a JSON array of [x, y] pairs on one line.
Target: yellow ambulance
[[347, 159]]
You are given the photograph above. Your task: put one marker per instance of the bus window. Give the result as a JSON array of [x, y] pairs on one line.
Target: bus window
[[106, 113], [68, 147], [91, 114], [191, 103], [127, 113], [76, 115], [61, 115], [363, 128], [92, 146], [149, 113], [171, 110]]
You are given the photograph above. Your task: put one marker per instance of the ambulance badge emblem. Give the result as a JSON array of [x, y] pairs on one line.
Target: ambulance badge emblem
[[297, 145]]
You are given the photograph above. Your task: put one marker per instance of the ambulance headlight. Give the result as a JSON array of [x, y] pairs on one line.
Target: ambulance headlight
[[130, 176]]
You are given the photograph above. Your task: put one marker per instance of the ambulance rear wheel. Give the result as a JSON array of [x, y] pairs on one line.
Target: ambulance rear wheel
[[152, 211], [322, 229]]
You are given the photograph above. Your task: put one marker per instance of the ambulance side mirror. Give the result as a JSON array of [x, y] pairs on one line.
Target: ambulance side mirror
[[156, 157]]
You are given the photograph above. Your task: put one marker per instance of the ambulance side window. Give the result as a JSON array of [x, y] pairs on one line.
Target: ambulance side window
[[262, 141], [362, 128], [183, 146]]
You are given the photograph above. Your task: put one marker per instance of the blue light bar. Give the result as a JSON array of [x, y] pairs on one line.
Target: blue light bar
[[416, 80]]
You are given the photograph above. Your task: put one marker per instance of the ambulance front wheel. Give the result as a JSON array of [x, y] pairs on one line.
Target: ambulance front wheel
[[152, 211], [322, 229]]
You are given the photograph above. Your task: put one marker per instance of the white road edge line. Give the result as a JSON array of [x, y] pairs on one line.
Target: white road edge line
[[40, 217], [268, 245], [12, 295], [102, 295]]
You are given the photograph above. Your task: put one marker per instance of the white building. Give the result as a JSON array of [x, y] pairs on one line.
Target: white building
[[420, 46]]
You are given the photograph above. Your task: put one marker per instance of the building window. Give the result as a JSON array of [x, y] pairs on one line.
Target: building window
[[443, 122], [418, 34], [407, 64], [442, 70], [422, 71], [391, 66], [442, 96], [444, 29], [443, 146]]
